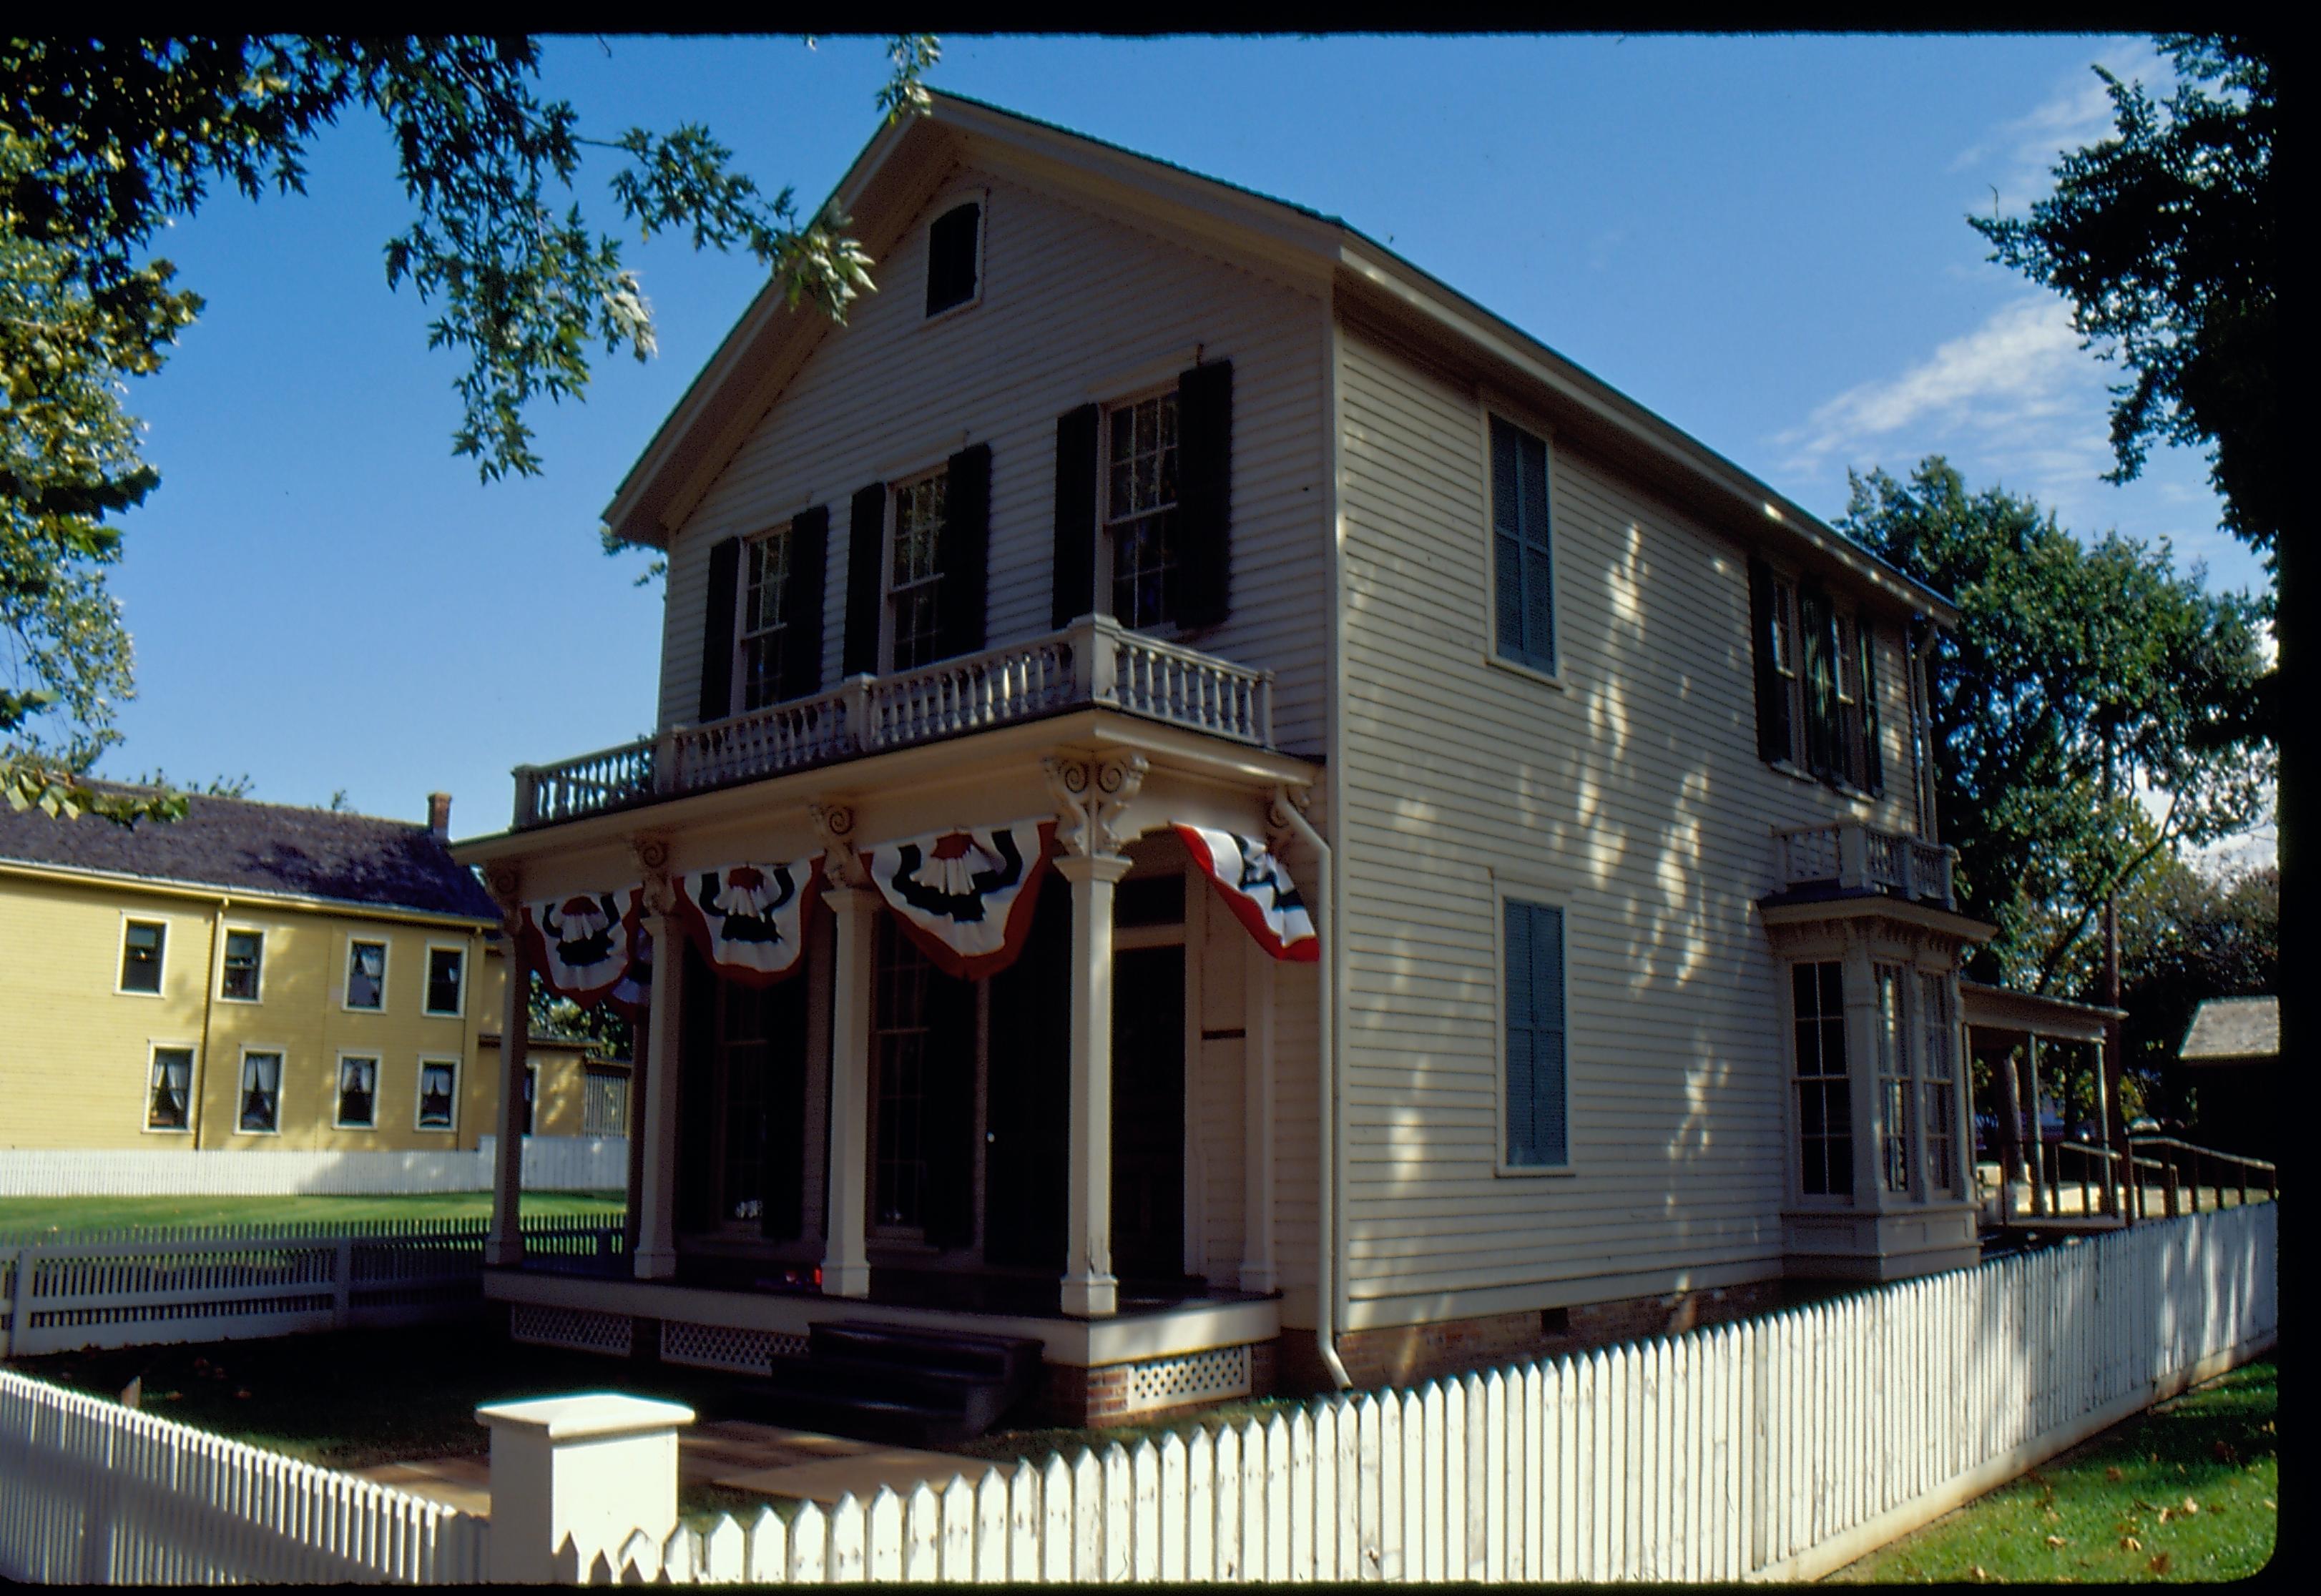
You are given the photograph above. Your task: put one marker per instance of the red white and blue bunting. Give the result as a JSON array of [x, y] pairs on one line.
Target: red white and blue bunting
[[582, 943], [966, 897], [632, 995], [1256, 886], [751, 921]]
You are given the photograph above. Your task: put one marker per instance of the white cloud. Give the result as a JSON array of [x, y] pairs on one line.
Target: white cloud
[[2022, 372], [2018, 157]]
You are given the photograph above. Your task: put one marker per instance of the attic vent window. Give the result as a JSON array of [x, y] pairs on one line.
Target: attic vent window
[[954, 258]]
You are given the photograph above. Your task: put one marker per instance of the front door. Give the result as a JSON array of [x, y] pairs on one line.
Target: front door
[[1148, 1115]]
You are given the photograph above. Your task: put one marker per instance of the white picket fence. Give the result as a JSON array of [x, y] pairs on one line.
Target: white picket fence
[[150, 1285], [1779, 1447], [93, 1493], [551, 1164]]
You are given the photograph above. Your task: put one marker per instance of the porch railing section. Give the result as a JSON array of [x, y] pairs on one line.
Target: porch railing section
[[1093, 661], [1852, 855]]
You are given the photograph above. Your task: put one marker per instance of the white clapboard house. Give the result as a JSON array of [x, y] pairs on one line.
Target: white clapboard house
[[1223, 819]]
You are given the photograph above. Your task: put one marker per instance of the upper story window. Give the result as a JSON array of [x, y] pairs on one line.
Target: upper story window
[[955, 258], [915, 577], [1140, 510], [1817, 667], [245, 967], [765, 617], [143, 942], [1523, 564], [447, 970], [365, 975]]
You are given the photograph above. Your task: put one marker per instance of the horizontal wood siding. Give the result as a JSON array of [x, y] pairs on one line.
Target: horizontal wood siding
[[1074, 305], [1632, 796]]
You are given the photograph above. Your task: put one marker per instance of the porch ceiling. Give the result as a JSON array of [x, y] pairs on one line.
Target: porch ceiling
[[2024, 1013]]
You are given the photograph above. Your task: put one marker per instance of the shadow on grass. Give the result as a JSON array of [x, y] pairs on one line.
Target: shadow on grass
[[2189, 1491]]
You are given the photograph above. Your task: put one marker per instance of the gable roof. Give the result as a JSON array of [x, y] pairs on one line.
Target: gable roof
[[900, 169], [235, 845], [2233, 1027]]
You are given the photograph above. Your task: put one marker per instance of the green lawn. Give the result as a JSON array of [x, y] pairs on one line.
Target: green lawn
[[22, 1215], [2190, 1490]]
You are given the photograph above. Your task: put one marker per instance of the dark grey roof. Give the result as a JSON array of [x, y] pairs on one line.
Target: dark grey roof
[[234, 844], [2233, 1028]]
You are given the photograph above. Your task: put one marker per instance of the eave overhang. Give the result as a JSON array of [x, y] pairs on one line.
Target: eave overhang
[[1783, 912]]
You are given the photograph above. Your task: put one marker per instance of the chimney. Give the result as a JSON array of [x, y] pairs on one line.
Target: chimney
[[439, 815]]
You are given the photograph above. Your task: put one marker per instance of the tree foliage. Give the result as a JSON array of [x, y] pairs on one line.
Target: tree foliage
[[2186, 936], [2077, 678], [2165, 237], [603, 1027], [103, 142]]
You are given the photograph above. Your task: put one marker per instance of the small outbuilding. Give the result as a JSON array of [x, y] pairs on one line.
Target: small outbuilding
[[2232, 1056]]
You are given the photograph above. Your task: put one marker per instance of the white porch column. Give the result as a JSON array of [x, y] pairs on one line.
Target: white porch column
[[503, 1244], [656, 1255], [846, 1265], [1258, 1270], [1089, 1288]]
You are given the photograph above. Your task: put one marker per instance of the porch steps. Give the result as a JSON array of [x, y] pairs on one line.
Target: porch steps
[[887, 1382]]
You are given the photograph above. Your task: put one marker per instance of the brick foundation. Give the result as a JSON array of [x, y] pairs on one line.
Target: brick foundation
[[1405, 1355]]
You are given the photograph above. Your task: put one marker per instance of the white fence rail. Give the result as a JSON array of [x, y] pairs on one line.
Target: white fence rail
[[94, 1493], [551, 1164], [170, 1284], [1780, 1447]]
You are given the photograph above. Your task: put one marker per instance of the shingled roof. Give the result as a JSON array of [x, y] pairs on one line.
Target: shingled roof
[[236, 845], [2230, 1028]]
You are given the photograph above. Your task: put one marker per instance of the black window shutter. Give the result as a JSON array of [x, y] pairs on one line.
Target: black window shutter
[[1874, 758], [1506, 543], [1817, 626], [866, 549], [1773, 691], [1205, 493], [1537, 1131], [948, 1133], [1522, 1045], [1074, 590], [717, 630], [966, 552], [802, 602]]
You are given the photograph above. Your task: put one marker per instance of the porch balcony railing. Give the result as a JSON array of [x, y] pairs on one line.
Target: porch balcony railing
[[1093, 661], [1857, 857]]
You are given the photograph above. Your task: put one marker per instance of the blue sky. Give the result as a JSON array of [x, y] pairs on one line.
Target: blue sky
[[1761, 238]]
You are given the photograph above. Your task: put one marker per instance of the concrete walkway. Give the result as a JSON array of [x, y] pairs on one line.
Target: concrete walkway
[[739, 1455]]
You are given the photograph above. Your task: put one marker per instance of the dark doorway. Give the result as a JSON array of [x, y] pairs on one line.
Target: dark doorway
[[1027, 1145], [742, 1120], [1148, 1115]]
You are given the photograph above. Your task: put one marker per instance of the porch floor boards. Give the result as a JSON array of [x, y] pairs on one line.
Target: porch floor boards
[[765, 1459]]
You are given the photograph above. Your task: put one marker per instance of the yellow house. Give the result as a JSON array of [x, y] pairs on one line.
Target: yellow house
[[259, 976]]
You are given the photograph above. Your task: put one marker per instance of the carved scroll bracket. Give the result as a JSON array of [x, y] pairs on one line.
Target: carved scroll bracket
[[651, 851], [834, 825], [1091, 796]]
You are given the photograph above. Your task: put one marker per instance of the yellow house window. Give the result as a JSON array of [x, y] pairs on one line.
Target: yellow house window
[[439, 1080], [365, 975], [171, 1098], [357, 1093], [143, 945], [446, 972], [245, 962]]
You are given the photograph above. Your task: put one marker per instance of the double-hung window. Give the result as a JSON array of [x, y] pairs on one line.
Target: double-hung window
[[765, 617], [1538, 1135], [914, 573], [365, 975], [245, 967], [955, 258], [446, 977], [143, 942], [1523, 564], [1824, 1098], [261, 1093], [1817, 682], [438, 1080], [170, 1103], [1140, 510], [1896, 1098], [357, 1092], [1939, 1083]]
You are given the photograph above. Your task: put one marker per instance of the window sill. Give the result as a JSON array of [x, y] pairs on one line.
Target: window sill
[[1530, 672], [1534, 1171], [168, 1130], [951, 311], [241, 1002], [133, 992], [1795, 772]]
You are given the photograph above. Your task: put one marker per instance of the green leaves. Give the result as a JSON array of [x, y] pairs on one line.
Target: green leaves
[[2090, 714], [2165, 237]]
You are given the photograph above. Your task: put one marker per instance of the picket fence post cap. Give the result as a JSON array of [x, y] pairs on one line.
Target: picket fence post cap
[[586, 1415]]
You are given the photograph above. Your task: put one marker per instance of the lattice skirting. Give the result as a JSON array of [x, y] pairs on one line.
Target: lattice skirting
[[1194, 1377], [722, 1346], [576, 1327]]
